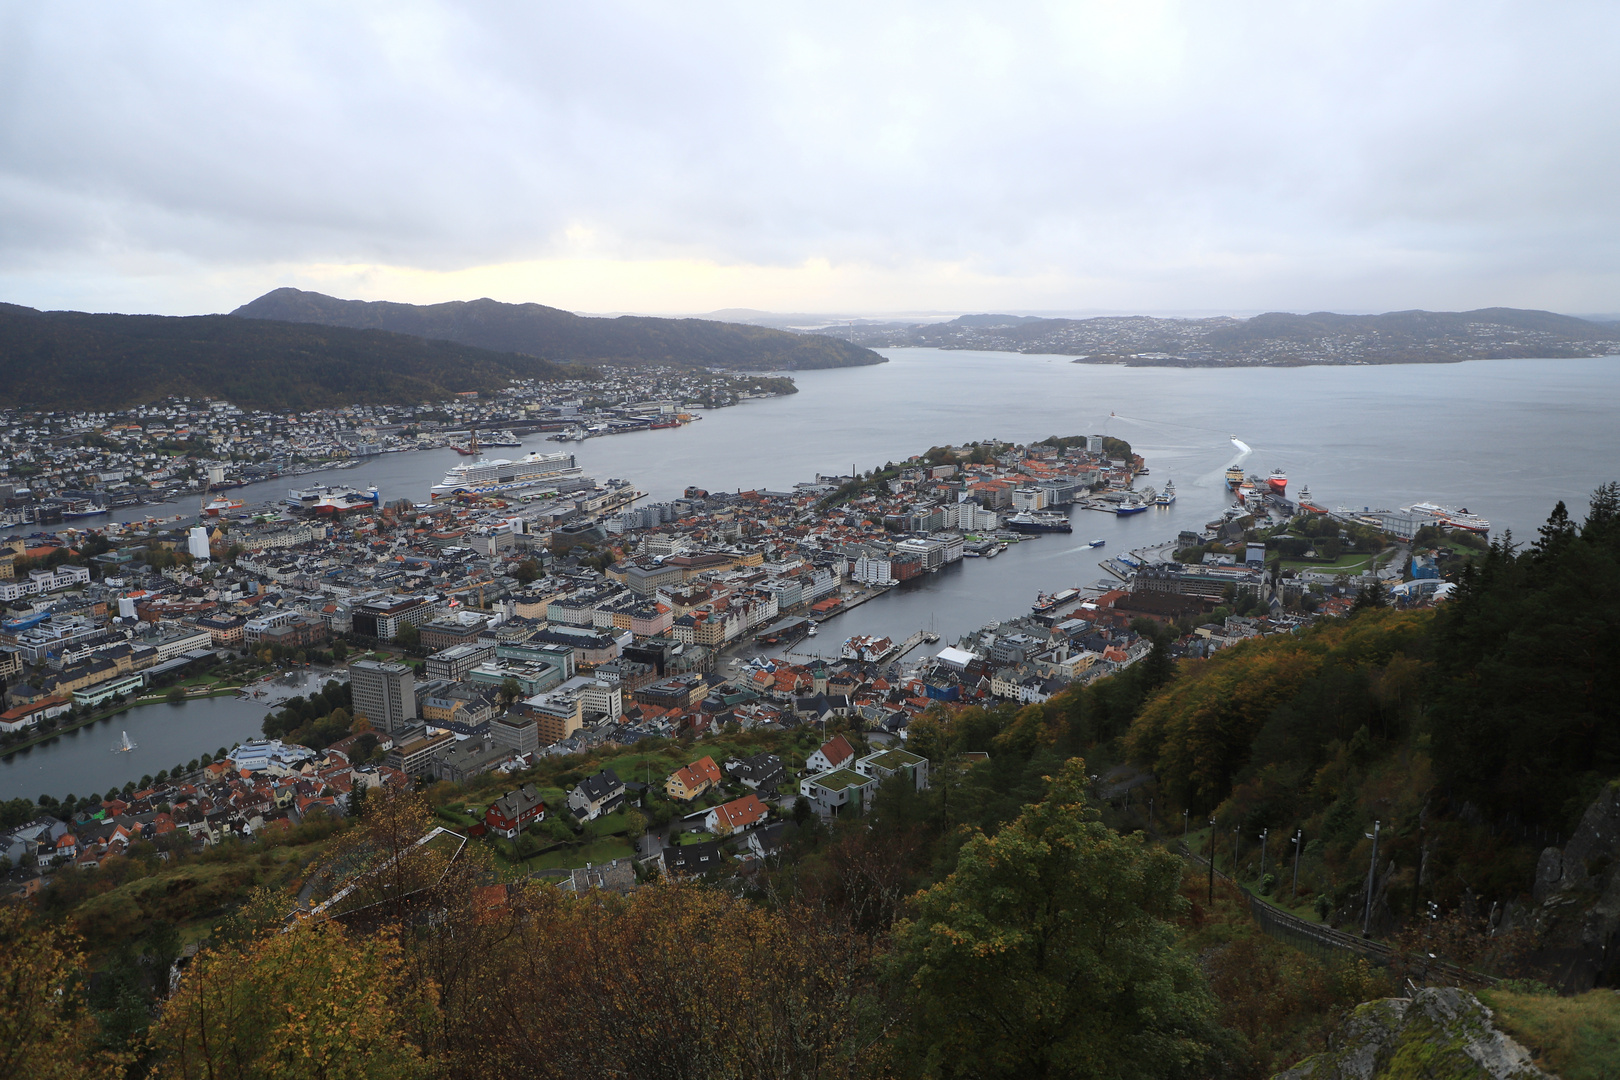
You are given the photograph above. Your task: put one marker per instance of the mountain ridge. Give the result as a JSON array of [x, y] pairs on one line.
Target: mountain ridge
[[554, 334], [79, 360]]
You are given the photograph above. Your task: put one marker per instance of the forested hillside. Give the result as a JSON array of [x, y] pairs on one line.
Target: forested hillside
[[75, 360], [1477, 733], [537, 330]]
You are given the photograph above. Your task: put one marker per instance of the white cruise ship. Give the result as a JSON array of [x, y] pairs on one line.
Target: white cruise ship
[[498, 476]]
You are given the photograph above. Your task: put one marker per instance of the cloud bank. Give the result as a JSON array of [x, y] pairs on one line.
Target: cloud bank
[[677, 158]]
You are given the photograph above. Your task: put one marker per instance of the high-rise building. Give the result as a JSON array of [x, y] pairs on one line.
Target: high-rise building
[[384, 693], [197, 544]]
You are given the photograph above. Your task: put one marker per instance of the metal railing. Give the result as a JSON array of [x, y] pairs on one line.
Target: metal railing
[[1324, 940]]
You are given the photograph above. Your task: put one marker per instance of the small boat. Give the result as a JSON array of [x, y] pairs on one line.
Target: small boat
[[1097, 543], [810, 632], [123, 746], [1168, 495], [1131, 506]]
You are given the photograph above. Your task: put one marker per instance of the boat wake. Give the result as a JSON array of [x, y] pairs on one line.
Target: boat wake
[[1241, 445]]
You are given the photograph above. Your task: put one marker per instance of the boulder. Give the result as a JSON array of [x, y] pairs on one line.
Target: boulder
[[1438, 1032]]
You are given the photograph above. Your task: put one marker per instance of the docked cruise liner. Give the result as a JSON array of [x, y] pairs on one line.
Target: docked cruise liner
[[498, 476]]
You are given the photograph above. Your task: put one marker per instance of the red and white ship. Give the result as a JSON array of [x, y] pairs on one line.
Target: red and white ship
[[221, 505], [1278, 481], [322, 499]]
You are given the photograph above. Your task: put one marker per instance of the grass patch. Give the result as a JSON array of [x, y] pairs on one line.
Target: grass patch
[[190, 892], [1345, 563], [608, 825], [1576, 1037], [685, 838], [455, 817], [572, 858]]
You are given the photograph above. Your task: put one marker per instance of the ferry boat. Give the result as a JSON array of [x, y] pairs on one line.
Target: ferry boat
[[1131, 506], [1278, 482], [221, 505], [1234, 476], [1039, 522], [498, 476], [501, 438], [1168, 495], [1456, 519], [322, 499], [1097, 543]]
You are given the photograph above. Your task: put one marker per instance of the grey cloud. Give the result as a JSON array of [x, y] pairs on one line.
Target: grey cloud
[[1195, 155]]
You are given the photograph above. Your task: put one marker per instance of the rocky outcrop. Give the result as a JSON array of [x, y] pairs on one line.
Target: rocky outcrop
[[1575, 922], [1440, 1033], [1588, 860]]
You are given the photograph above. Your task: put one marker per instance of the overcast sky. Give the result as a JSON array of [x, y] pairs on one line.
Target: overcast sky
[[867, 157]]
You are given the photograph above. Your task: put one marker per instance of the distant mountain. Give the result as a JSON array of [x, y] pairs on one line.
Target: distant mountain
[[75, 360], [986, 322], [1275, 338], [553, 334]]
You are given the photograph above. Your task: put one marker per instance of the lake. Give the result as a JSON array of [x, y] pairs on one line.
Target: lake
[[82, 761]]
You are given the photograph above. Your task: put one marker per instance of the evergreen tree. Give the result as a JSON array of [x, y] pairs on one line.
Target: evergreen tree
[[1049, 952]]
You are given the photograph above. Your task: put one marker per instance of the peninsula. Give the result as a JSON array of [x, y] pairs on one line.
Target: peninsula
[[1275, 339]]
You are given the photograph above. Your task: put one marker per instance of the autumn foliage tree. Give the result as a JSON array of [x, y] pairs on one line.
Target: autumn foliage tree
[[46, 1030], [314, 1002], [675, 982]]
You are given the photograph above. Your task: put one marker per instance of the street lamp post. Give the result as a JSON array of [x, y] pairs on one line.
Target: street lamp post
[[1372, 871], [1212, 862], [1186, 823], [1293, 896], [1236, 836], [1264, 833]]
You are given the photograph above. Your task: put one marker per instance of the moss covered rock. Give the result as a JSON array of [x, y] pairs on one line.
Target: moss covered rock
[[1439, 1034]]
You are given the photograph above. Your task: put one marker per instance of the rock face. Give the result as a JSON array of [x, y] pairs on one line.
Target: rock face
[[1576, 918], [1440, 1033], [1588, 860]]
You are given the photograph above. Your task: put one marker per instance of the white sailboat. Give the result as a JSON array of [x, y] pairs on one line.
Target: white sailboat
[[123, 746]]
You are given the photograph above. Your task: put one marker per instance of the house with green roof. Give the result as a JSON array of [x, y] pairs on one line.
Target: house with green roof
[[885, 763], [834, 791]]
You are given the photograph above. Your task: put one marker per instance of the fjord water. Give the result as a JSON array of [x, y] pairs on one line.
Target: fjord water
[[1504, 438]]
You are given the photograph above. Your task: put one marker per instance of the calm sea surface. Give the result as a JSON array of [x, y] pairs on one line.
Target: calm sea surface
[[1504, 438]]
